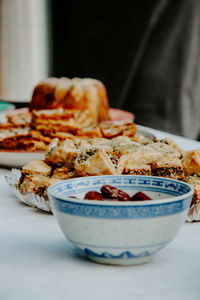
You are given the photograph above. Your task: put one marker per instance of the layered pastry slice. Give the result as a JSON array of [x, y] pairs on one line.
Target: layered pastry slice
[[168, 166], [113, 129], [61, 152], [35, 178], [36, 184], [55, 120], [22, 139], [15, 120], [191, 162], [194, 181], [109, 156], [151, 159], [94, 161], [61, 120], [37, 167], [138, 160], [191, 165]]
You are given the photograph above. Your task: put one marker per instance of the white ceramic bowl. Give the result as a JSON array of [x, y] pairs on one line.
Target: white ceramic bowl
[[117, 232]]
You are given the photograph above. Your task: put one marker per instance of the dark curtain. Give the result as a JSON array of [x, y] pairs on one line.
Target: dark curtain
[[147, 53]]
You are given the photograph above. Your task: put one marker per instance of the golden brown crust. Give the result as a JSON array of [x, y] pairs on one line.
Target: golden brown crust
[[62, 120], [91, 132], [76, 93], [99, 156], [54, 180], [61, 152], [43, 94], [64, 108], [61, 173], [164, 149], [23, 139], [58, 134], [194, 181], [131, 164], [157, 159], [93, 162], [191, 162], [167, 166], [37, 167], [18, 120], [170, 141], [35, 183], [113, 129]]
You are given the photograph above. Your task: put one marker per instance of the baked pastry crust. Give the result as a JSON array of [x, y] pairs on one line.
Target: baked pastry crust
[[61, 173], [62, 120], [191, 162], [76, 93], [168, 166], [22, 139], [19, 120], [194, 181], [60, 107], [94, 162], [100, 156], [61, 152], [37, 167], [34, 183], [113, 129]]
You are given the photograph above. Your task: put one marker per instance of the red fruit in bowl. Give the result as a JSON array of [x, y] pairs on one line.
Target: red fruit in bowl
[[93, 196], [140, 196], [111, 192]]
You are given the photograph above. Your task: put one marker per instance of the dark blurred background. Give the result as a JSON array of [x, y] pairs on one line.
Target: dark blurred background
[[98, 39], [146, 53]]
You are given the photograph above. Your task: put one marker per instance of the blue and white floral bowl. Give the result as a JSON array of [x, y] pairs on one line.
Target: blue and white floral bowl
[[116, 232]]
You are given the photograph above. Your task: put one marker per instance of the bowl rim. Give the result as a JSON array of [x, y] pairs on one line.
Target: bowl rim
[[119, 203]]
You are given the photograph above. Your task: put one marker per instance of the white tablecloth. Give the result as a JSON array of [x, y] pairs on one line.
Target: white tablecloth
[[37, 262]]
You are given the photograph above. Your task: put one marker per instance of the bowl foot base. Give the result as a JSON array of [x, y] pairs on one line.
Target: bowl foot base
[[120, 261]]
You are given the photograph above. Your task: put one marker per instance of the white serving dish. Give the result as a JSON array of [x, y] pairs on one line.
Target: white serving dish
[[121, 233], [18, 159]]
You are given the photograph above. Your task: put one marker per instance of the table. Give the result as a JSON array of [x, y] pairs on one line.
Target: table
[[37, 262]]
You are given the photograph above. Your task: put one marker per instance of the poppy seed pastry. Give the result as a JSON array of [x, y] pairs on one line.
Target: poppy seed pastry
[[167, 166]]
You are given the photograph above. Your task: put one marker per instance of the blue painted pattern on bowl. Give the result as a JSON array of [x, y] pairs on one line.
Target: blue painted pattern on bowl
[[120, 232]]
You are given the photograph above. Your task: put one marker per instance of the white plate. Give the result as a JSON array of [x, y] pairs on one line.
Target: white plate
[[18, 159], [30, 199]]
